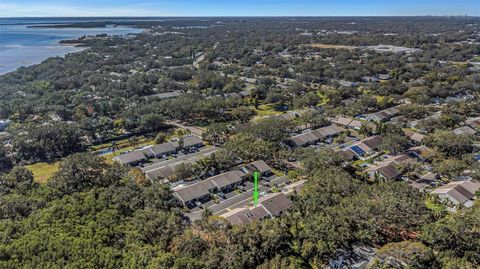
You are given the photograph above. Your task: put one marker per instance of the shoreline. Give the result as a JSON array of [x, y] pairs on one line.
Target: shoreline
[[28, 63], [27, 55]]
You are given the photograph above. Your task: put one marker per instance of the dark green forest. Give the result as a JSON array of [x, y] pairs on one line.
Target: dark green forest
[[94, 215]]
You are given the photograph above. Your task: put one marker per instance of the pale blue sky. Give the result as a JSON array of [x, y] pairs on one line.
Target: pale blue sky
[[47, 8]]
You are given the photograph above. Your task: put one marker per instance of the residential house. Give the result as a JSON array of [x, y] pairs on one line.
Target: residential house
[[347, 123], [275, 203], [244, 215], [382, 115], [420, 186], [165, 172], [465, 130], [296, 186], [369, 79], [314, 136], [226, 182], [388, 172], [192, 141], [259, 166], [384, 76], [388, 168], [413, 124], [417, 138], [398, 159], [364, 147], [131, 158], [270, 205], [198, 192], [161, 150], [422, 153], [425, 181], [429, 177], [377, 116], [473, 122], [458, 193]]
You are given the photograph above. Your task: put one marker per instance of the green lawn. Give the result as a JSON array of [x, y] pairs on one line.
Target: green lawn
[[323, 98], [266, 110], [42, 171], [433, 206], [121, 144], [277, 172]]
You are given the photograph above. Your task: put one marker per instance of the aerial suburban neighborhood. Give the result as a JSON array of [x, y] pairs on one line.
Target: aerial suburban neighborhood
[[244, 142]]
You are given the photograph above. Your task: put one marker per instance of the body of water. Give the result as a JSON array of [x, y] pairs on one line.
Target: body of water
[[23, 46]]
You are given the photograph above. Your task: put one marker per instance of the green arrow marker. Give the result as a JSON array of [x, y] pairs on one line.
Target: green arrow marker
[[255, 188]]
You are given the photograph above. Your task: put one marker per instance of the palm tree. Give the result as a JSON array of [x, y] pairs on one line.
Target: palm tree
[[181, 143], [380, 127], [114, 147], [207, 212], [133, 141], [364, 130]]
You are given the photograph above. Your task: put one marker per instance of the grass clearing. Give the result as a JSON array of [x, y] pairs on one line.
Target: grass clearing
[[277, 172], [265, 110], [43, 171], [124, 143], [323, 98], [434, 206]]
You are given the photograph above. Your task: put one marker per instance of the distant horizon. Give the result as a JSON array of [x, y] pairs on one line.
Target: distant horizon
[[244, 8], [246, 16], [239, 16]]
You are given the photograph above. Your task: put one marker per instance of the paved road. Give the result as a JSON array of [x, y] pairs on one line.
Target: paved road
[[196, 64], [192, 129], [183, 158]]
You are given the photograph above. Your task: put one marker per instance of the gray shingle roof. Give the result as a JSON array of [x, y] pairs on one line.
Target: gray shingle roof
[[226, 179], [464, 130], [194, 191], [315, 135], [275, 203], [130, 157], [245, 215], [191, 140], [260, 166], [271, 205], [163, 172], [164, 148], [389, 171], [458, 192], [371, 143]]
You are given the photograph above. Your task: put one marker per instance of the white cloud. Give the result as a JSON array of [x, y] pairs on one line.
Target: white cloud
[[50, 10]]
